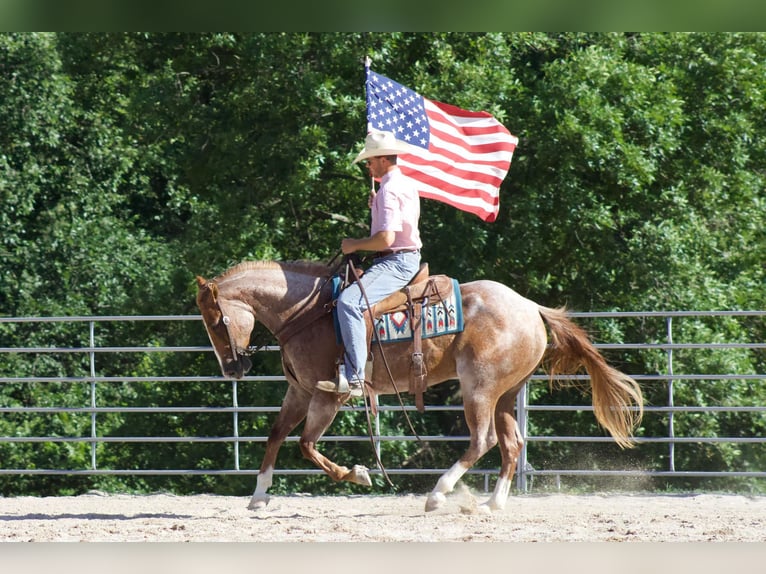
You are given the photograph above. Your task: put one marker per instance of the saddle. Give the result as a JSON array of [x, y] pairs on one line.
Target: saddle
[[423, 289]]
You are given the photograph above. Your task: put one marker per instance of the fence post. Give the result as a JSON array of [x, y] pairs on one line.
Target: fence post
[[671, 429], [93, 436], [521, 417], [235, 422], [378, 442]]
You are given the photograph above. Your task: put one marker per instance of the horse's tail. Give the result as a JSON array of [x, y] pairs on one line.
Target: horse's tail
[[617, 400]]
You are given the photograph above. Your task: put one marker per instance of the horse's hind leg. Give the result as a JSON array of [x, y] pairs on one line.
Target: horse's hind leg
[[510, 444], [479, 419], [293, 411]]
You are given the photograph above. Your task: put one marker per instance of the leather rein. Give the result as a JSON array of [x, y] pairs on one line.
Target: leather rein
[[307, 314]]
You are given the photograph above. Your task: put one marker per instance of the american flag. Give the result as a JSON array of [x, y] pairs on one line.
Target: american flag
[[460, 157]]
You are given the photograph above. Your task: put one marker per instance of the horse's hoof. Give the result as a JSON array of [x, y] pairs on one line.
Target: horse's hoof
[[359, 475], [494, 506], [258, 502], [434, 501], [485, 509]]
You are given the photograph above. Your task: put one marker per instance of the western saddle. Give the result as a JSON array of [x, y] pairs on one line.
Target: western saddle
[[423, 289]]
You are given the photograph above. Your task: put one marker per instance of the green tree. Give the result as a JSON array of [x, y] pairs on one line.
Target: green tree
[[131, 162]]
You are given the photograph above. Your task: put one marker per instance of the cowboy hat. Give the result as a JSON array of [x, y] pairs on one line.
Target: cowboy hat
[[382, 143]]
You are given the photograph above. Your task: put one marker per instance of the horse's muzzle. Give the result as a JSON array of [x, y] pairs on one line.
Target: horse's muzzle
[[237, 369]]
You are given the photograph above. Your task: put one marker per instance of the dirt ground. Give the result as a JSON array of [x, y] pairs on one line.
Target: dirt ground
[[99, 517]]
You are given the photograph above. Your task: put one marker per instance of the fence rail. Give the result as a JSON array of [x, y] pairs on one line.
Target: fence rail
[[528, 466]]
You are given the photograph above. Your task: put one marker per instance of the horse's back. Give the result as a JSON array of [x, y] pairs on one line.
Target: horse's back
[[491, 296], [493, 312]]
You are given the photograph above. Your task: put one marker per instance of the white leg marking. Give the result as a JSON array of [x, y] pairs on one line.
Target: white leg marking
[[263, 483], [260, 499], [500, 495], [449, 479], [445, 485]]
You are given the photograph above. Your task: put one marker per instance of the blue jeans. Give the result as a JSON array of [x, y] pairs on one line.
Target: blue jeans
[[385, 276]]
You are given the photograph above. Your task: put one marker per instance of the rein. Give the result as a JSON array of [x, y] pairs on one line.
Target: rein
[[292, 325], [357, 276], [307, 314], [251, 350]]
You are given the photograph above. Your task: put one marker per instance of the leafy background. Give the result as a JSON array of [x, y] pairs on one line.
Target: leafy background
[[130, 162]]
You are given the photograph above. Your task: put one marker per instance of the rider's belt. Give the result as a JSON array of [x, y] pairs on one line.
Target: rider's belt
[[388, 252]]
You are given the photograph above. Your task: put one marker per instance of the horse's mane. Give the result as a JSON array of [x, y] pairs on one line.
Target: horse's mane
[[311, 268]]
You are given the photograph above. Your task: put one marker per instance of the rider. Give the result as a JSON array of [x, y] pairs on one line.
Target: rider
[[394, 235]]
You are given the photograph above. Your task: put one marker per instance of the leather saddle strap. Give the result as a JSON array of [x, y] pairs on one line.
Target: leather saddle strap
[[369, 326], [417, 368]]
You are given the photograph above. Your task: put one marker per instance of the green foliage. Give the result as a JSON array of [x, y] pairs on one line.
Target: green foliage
[[129, 163]]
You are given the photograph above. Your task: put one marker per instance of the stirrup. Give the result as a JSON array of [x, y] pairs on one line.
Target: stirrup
[[341, 386]]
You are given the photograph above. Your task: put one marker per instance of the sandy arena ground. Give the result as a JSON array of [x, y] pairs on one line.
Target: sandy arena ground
[[98, 517]]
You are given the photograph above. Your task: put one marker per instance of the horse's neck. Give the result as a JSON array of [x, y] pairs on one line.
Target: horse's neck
[[275, 293]]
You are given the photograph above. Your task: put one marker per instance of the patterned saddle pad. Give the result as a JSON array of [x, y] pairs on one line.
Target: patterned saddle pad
[[442, 318]]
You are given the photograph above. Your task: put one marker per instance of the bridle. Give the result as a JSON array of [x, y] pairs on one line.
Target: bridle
[[236, 350], [308, 312], [304, 316], [248, 351]]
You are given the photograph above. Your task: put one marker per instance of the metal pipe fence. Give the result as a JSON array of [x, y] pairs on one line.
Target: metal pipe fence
[[530, 464]]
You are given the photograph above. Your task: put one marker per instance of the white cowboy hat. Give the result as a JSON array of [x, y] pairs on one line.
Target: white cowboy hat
[[382, 143]]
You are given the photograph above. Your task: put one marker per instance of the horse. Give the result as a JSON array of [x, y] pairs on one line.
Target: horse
[[503, 342]]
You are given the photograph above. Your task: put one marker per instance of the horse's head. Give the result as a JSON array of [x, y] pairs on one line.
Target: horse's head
[[228, 323]]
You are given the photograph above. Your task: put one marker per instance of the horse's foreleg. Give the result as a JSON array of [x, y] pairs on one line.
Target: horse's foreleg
[[293, 411], [322, 410], [479, 420], [510, 444]]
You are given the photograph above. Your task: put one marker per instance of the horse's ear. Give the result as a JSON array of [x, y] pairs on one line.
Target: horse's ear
[[211, 286]]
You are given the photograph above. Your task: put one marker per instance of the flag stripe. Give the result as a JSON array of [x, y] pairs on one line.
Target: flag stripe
[[470, 125], [454, 152], [479, 173], [445, 193], [435, 178], [484, 210], [473, 127]]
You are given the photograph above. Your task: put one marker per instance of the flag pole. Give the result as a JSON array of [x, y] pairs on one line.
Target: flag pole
[[367, 63]]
